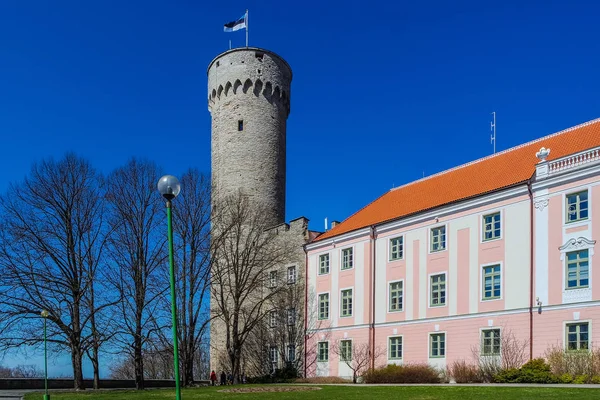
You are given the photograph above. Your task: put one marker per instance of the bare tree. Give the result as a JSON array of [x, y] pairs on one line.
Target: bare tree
[[191, 228], [505, 352], [137, 251], [356, 356], [316, 330], [52, 240], [244, 254]]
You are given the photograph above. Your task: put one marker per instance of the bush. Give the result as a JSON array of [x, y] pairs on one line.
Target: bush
[[464, 373], [580, 379], [283, 375], [322, 380], [581, 362], [533, 371], [565, 378], [412, 373]]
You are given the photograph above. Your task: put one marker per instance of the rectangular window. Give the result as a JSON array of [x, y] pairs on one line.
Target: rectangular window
[[346, 350], [324, 306], [291, 316], [324, 264], [438, 290], [347, 261], [578, 269], [490, 342], [323, 352], [273, 279], [578, 336], [240, 125], [291, 275], [347, 303], [577, 206], [437, 345], [396, 296], [396, 248], [273, 319], [491, 226], [438, 238], [273, 356], [491, 282], [395, 348], [291, 353]]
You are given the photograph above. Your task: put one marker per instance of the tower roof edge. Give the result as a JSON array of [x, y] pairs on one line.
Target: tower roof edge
[[237, 49]]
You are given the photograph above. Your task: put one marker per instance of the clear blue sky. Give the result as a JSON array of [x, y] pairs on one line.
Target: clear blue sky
[[382, 92]]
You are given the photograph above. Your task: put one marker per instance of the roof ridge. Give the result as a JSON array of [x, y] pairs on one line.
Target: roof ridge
[[593, 121]]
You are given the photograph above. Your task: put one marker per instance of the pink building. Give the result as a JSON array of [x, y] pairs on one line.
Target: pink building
[[433, 269]]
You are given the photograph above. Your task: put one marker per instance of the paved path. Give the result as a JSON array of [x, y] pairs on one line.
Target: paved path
[[14, 394]]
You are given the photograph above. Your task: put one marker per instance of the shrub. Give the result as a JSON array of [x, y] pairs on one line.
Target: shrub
[[537, 365], [322, 380], [533, 371], [581, 362], [464, 373], [283, 375], [565, 378], [580, 379], [595, 380], [411, 373]]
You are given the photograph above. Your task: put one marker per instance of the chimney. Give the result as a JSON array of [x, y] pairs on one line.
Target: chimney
[[334, 223]]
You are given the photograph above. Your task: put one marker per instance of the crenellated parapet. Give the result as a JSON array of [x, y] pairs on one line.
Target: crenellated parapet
[[271, 93]]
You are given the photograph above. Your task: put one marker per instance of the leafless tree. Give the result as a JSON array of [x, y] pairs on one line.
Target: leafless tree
[[21, 371], [245, 253], [137, 252], [357, 357], [191, 236], [316, 330], [513, 353], [51, 243]]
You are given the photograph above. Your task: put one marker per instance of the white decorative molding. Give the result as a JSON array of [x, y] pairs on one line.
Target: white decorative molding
[[576, 315], [436, 328], [490, 322], [575, 160], [577, 244], [540, 204], [542, 154], [577, 295]]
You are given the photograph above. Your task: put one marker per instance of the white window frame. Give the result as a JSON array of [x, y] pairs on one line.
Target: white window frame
[[341, 302], [351, 350], [489, 328], [566, 211], [389, 349], [572, 322], [564, 193], [291, 316], [430, 239], [342, 258], [482, 225], [389, 298], [289, 348], [430, 292], [319, 306], [328, 263], [389, 251], [319, 351], [575, 244], [273, 279], [274, 363], [429, 343], [481, 283], [294, 276], [566, 270], [273, 319]]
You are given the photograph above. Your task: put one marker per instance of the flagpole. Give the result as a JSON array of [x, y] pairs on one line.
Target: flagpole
[[246, 28]]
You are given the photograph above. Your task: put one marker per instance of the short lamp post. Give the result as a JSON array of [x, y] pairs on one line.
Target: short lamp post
[[169, 187], [44, 315]]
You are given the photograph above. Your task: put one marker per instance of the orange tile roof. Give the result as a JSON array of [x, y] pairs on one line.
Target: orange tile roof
[[501, 170]]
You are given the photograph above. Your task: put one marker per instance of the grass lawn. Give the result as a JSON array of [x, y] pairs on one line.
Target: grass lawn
[[344, 393]]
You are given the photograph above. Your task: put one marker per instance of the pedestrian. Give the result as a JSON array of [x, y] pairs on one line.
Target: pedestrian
[[243, 377], [213, 377], [223, 378], [230, 378]]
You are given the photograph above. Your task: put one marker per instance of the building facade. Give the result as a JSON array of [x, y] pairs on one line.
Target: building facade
[[445, 268]]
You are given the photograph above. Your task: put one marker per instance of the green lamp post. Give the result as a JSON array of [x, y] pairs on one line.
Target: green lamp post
[[44, 315], [169, 187]]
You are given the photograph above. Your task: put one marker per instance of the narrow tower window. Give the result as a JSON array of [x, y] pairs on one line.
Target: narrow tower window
[[240, 125]]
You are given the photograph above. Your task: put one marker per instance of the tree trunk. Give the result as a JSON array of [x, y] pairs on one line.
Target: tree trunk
[[96, 365], [76, 357], [138, 362]]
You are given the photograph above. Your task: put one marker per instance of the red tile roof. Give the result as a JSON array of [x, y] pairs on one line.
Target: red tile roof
[[501, 170]]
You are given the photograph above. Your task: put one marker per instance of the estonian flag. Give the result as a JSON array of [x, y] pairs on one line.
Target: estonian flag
[[236, 25]]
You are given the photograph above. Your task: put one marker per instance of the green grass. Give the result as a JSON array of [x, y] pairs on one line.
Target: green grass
[[345, 393]]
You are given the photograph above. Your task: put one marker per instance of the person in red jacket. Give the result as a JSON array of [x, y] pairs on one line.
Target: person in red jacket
[[213, 377]]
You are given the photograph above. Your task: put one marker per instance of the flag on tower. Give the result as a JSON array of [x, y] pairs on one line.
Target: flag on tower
[[238, 24]]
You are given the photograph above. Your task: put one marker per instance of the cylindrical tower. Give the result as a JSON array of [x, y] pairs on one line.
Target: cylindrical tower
[[249, 101]]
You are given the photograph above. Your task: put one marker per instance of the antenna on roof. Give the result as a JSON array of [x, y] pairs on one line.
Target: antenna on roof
[[325, 224], [493, 129]]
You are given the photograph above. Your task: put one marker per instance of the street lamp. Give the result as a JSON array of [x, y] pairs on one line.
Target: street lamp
[[44, 315], [169, 188]]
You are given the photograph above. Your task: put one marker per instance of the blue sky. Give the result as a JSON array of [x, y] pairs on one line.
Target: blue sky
[[383, 91]]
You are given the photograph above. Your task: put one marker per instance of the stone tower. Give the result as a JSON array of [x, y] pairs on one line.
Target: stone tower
[[249, 101]]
